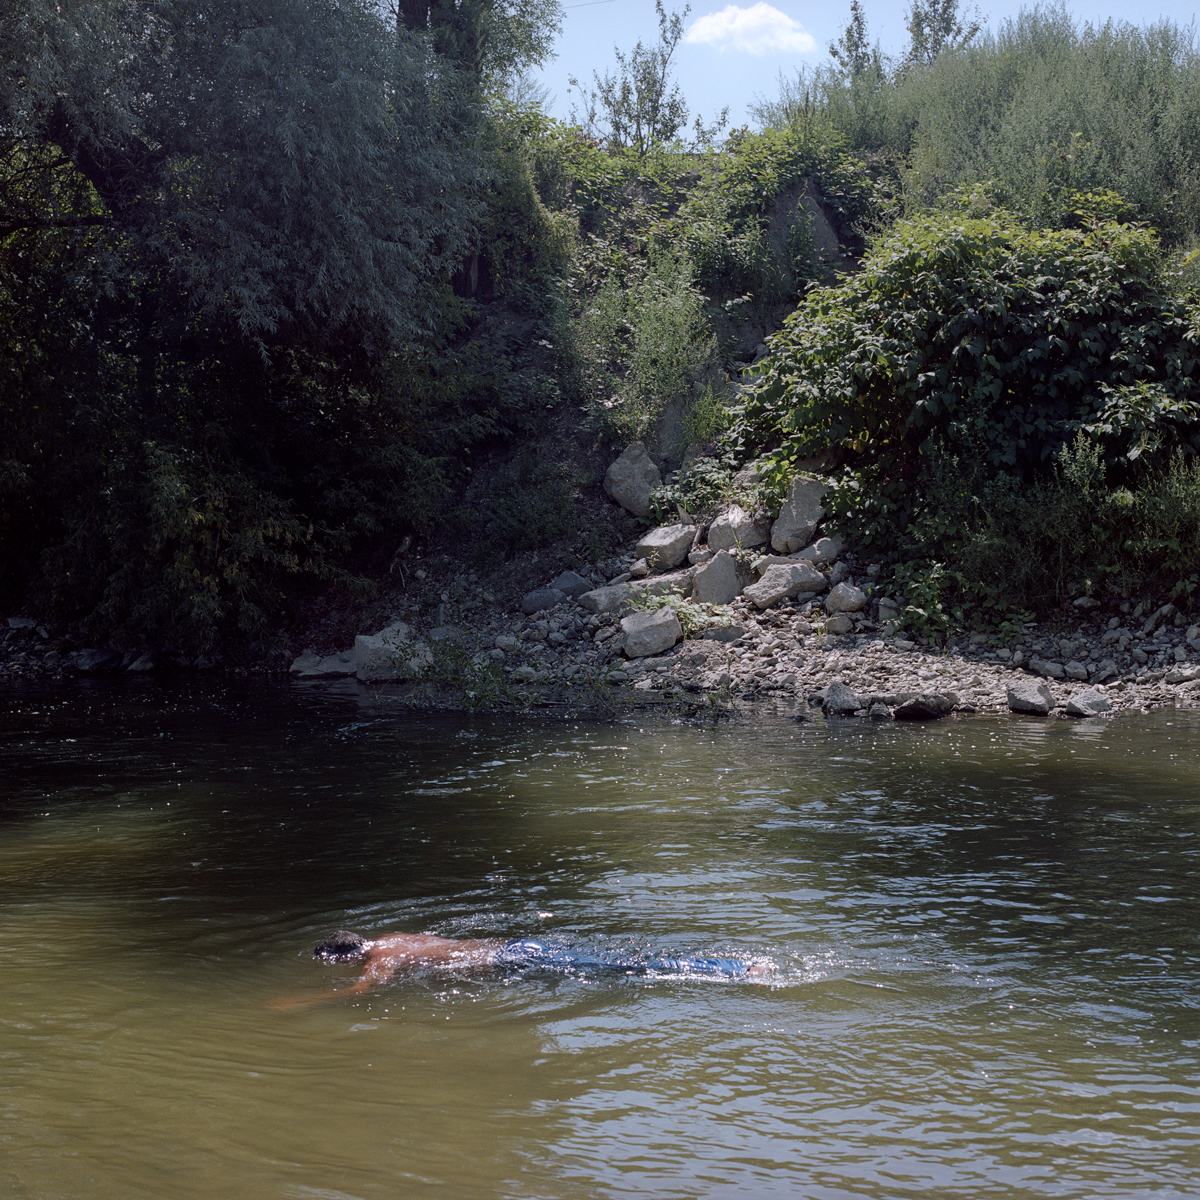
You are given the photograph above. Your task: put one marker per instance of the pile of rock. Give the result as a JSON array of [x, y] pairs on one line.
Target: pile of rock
[[746, 610], [29, 650]]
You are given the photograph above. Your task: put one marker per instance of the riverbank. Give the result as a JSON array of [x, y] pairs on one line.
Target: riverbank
[[472, 651]]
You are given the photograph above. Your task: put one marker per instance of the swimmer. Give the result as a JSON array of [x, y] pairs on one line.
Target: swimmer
[[383, 957]]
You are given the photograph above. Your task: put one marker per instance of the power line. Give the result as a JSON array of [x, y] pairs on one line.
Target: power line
[[588, 4]]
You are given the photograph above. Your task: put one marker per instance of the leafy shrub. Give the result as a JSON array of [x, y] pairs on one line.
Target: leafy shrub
[[968, 328], [707, 418], [699, 486], [1006, 401], [178, 553], [988, 546]]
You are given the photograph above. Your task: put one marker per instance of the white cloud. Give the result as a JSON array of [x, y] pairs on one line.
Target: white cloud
[[759, 29]]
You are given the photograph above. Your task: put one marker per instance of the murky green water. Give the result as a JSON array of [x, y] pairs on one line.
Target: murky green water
[[988, 935]]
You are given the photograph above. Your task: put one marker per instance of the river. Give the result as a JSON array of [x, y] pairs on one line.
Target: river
[[986, 933]]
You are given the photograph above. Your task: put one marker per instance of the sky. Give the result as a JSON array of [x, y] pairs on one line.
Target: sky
[[733, 53]]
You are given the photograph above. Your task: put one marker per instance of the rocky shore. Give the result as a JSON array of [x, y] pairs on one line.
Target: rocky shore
[[743, 655], [739, 611], [783, 654]]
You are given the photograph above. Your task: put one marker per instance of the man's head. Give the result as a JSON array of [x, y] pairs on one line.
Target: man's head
[[342, 946]]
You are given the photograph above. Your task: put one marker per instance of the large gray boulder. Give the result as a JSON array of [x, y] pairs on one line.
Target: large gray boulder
[[800, 515], [605, 599], [1031, 696], [679, 582], [823, 551], [329, 666], [724, 633], [735, 528], [572, 584], [631, 479], [716, 581], [845, 598], [841, 699], [1087, 703], [666, 547], [652, 632], [926, 706], [91, 662], [780, 583], [1052, 670], [390, 656], [760, 565]]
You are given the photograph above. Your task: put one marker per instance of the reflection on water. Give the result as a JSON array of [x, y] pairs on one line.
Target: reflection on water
[[986, 931]]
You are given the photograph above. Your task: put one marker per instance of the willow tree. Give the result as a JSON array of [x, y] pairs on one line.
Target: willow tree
[[281, 165], [195, 195]]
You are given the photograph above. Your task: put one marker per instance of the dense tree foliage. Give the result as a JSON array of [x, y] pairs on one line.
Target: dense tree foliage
[[286, 171], [492, 41], [227, 238]]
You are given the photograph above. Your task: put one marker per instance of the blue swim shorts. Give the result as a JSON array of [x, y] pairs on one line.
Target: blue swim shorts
[[532, 952]]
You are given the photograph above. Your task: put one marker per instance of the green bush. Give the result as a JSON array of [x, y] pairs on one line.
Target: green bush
[[1006, 402], [986, 546], [640, 346], [969, 328], [698, 487]]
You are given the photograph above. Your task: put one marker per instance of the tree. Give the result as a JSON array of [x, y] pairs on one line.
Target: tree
[[281, 169], [493, 40], [854, 55], [638, 107], [224, 227], [934, 27]]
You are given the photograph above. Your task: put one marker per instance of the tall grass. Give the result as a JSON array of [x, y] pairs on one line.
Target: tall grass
[[639, 344]]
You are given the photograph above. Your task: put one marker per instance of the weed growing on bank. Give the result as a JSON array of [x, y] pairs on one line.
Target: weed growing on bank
[[692, 617], [640, 346], [483, 684]]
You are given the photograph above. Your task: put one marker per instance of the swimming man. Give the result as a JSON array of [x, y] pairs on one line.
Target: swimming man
[[383, 957]]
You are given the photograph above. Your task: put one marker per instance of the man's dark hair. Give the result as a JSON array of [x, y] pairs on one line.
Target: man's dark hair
[[342, 946]]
